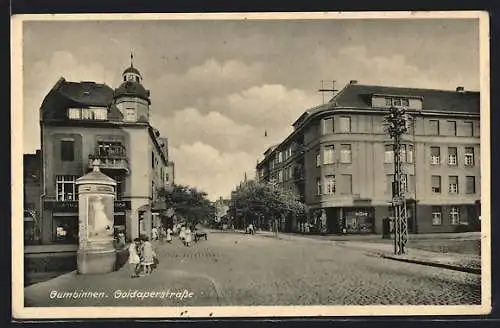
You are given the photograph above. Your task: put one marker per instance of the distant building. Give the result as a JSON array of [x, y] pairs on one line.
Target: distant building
[[340, 160], [84, 121], [221, 208]]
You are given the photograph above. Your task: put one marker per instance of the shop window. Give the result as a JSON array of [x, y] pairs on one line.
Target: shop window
[[436, 215], [65, 229]]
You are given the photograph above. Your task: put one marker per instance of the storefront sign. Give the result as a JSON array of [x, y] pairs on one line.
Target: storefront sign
[[121, 205], [72, 206]]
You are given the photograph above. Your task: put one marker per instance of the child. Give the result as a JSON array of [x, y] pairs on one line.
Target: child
[[147, 256], [133, 258]]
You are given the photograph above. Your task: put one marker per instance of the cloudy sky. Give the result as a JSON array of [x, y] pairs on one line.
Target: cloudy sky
[[216, 86]]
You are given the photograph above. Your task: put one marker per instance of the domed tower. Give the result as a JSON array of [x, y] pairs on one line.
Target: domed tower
[[131, 98]]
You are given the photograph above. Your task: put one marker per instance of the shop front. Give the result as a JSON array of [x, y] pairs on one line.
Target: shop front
[[61, 221], [358, 220]]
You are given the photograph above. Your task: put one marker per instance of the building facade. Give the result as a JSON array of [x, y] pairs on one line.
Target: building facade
[[340, 160], [82, 122]]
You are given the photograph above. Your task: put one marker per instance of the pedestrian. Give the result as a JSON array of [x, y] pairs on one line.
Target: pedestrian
[[133, 257], [154, 233], [182, 234], [147, 258], [169, 235], [187, 236]]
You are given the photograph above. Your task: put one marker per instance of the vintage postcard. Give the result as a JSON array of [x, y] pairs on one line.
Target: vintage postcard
[[250, 165]]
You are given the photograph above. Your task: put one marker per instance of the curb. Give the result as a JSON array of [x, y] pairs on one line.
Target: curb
[[433, 264]]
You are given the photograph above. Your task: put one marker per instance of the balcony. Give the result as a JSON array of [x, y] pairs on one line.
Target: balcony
[[298, 173], [110, 162]]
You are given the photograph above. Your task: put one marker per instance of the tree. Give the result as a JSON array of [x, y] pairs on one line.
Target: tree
[[189, 203], [263, 202]]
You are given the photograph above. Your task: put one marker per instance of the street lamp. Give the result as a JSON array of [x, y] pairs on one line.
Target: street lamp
[[396, 127]]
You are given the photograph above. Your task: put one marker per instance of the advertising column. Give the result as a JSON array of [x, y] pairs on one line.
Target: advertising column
[[96, 251]]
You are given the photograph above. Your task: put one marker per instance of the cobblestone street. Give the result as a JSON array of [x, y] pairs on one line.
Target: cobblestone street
[[238, 269]]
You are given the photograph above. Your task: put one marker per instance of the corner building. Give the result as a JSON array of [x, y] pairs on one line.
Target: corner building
[[84, 121], [339, 159]]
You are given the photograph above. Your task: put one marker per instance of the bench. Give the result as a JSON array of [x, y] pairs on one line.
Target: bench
[[199, 234]]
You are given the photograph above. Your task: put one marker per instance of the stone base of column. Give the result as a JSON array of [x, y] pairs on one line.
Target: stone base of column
[[96, 261]]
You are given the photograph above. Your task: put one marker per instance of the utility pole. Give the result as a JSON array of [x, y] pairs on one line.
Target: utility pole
[[323, 89], [396, 127]]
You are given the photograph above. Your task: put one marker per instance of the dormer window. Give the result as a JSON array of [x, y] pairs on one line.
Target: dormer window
[[96, 113], [405, 102]]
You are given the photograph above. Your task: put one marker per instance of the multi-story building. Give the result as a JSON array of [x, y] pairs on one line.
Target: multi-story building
[[84, 121], [340, 160], [31, 192], [221, 206]]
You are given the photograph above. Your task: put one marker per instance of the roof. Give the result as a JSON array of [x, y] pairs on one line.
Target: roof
[[133, 89], [66, 94], [132, 69], [96, 176], [358, 95]]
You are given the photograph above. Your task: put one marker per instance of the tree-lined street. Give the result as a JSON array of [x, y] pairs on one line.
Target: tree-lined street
[[239, 269]]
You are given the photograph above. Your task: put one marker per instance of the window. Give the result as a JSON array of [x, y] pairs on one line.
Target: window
[[436, 215], [67, 150], [402, 154], [433, 127], [153, 160], [453, 184], [330, 184], [129, 115], [404, 182], [397, 102], [318, 159], [347, 184], [468, 129], [328, 126], [470, 184], [100, 114], [409, 154], [345, 154], [66, 187], [74, 113], [280, 175], [411, 183], [318, 186], [435, 155], [469, 156], [454, 215], [389, 154], [328, 155], [280, 157], [436, 184], [389, 178], [452, 156], [345, 124], [452, 128]]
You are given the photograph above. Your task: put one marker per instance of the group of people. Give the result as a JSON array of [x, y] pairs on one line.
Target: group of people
[[162, 234], [142, 257], [185, 234]]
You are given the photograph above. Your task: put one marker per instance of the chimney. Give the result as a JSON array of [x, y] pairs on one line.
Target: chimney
[[353, 82], [460, 89]]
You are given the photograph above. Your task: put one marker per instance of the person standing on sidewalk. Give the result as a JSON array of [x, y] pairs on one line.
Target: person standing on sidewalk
[[133, 258], [154, 233], [147, 256], [169, 235], [187, 236]]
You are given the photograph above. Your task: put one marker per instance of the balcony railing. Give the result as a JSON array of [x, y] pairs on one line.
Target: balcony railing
[[110, 162]]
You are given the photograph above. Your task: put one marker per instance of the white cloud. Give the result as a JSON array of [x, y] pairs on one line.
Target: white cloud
[[214, 172], [41, 78]]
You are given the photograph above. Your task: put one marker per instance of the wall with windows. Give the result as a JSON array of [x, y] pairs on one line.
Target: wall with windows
[[66, 150], [133, 109]]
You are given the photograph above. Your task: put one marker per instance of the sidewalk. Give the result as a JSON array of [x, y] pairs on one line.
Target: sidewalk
[[460, 262], [165, 287]]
